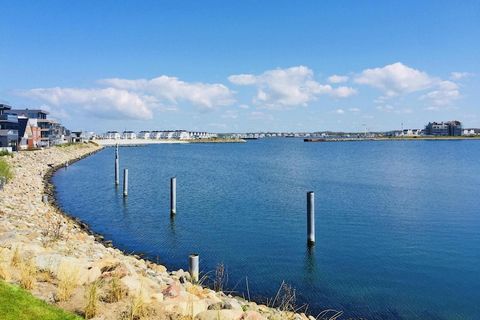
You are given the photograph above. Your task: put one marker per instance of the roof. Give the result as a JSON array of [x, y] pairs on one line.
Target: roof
[[19, 111]]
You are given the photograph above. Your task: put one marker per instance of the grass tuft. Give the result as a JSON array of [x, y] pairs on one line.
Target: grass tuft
[[115, 292], [28, 271], [16, 257], [68, 277], [6, 172], [91, 300]]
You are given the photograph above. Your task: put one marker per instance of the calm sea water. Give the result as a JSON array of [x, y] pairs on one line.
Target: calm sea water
[[397, 223]]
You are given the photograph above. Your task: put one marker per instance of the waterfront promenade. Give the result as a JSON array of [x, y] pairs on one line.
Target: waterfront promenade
[[64, 261]]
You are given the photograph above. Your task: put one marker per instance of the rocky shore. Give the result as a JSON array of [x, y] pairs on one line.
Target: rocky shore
[[59, 261]]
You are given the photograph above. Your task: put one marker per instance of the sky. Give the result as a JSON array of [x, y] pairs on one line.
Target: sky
[[243, 66]]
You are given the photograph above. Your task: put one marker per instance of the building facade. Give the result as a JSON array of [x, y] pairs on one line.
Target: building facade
[[8, 128], [449, 128]]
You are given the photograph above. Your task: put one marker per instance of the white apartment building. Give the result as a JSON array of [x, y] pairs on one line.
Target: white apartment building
[[129, 135], [144, 135]]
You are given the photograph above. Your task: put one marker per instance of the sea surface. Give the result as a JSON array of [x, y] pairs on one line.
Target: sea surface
[[397, 222]]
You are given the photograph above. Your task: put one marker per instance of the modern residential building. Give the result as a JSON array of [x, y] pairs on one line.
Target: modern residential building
[[29, 133], [449, 128], [129, 135], [8, 128], [155, 134], [144, 135], [112, 135], [52, 132]]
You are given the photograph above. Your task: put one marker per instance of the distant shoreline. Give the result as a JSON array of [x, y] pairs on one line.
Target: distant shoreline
[[391, 139], [141, 142]]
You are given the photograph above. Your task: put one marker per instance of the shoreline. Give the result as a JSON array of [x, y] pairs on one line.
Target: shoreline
[[142, 142], [25, 230], [460, 138]]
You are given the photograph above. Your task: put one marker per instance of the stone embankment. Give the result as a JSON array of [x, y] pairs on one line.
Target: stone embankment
[[51, 255]]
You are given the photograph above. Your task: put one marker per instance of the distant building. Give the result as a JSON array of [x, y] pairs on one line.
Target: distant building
[[450, 128], [8, 128], [112, 135], [129, 135], [29, 133], [144, 135]]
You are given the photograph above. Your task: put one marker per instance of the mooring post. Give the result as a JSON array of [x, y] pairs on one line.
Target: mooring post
[[125, 182], [117, 169], [310, 218], [45, 198], [173, 196], [193, 267]]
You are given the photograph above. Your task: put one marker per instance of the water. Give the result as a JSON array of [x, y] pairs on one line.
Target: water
[[397, 223]]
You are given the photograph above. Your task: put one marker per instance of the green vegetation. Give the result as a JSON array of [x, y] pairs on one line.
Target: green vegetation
[[5, 170], [5, 153], [18, 304]]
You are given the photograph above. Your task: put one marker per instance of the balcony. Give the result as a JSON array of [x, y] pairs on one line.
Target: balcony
[[8, 118]]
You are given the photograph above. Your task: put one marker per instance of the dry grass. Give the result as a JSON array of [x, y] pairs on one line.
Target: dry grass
[[4, 266], [28, 271], [68, 277], [329, 314], [45, 276], [136, 308], [116, 292], [221, 278], [91, 297], [53, 232], [16, 257]]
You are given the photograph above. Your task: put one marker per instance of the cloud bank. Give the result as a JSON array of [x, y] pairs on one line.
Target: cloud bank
[[290, 87]]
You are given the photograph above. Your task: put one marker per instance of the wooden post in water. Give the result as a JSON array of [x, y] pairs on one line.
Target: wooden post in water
[[117, 169], [310, 218], [193, 267], [173, 196], [125, 182]]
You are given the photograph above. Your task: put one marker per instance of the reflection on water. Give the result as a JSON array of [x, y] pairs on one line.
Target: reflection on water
[[396, 222]]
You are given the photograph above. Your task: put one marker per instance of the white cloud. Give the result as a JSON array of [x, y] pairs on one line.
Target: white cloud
[[337, 79], [134, 99], [444, 93], [460, 75], [354, 110], [105, 103], [173, 90], [244, 106], [288, 87], [340, 111], [396, 79]]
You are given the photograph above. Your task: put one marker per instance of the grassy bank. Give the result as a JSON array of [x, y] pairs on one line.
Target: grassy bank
[[18, 304]]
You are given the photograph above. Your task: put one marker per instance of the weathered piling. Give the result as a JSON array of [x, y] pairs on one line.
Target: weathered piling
[[193, 266], [125, 182], [173, 196], [117, 169], [310, 218]]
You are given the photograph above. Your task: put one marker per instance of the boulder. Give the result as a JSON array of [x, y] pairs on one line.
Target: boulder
[[219, 315]]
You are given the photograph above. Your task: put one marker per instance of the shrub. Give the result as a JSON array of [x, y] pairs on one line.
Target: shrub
[[28, 271], [91, 300], [68, 276], [5, 170]]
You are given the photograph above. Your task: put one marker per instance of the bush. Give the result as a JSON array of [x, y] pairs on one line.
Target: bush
[[5, 170]]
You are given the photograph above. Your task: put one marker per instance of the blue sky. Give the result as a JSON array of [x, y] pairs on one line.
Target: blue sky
[[232, 66]]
